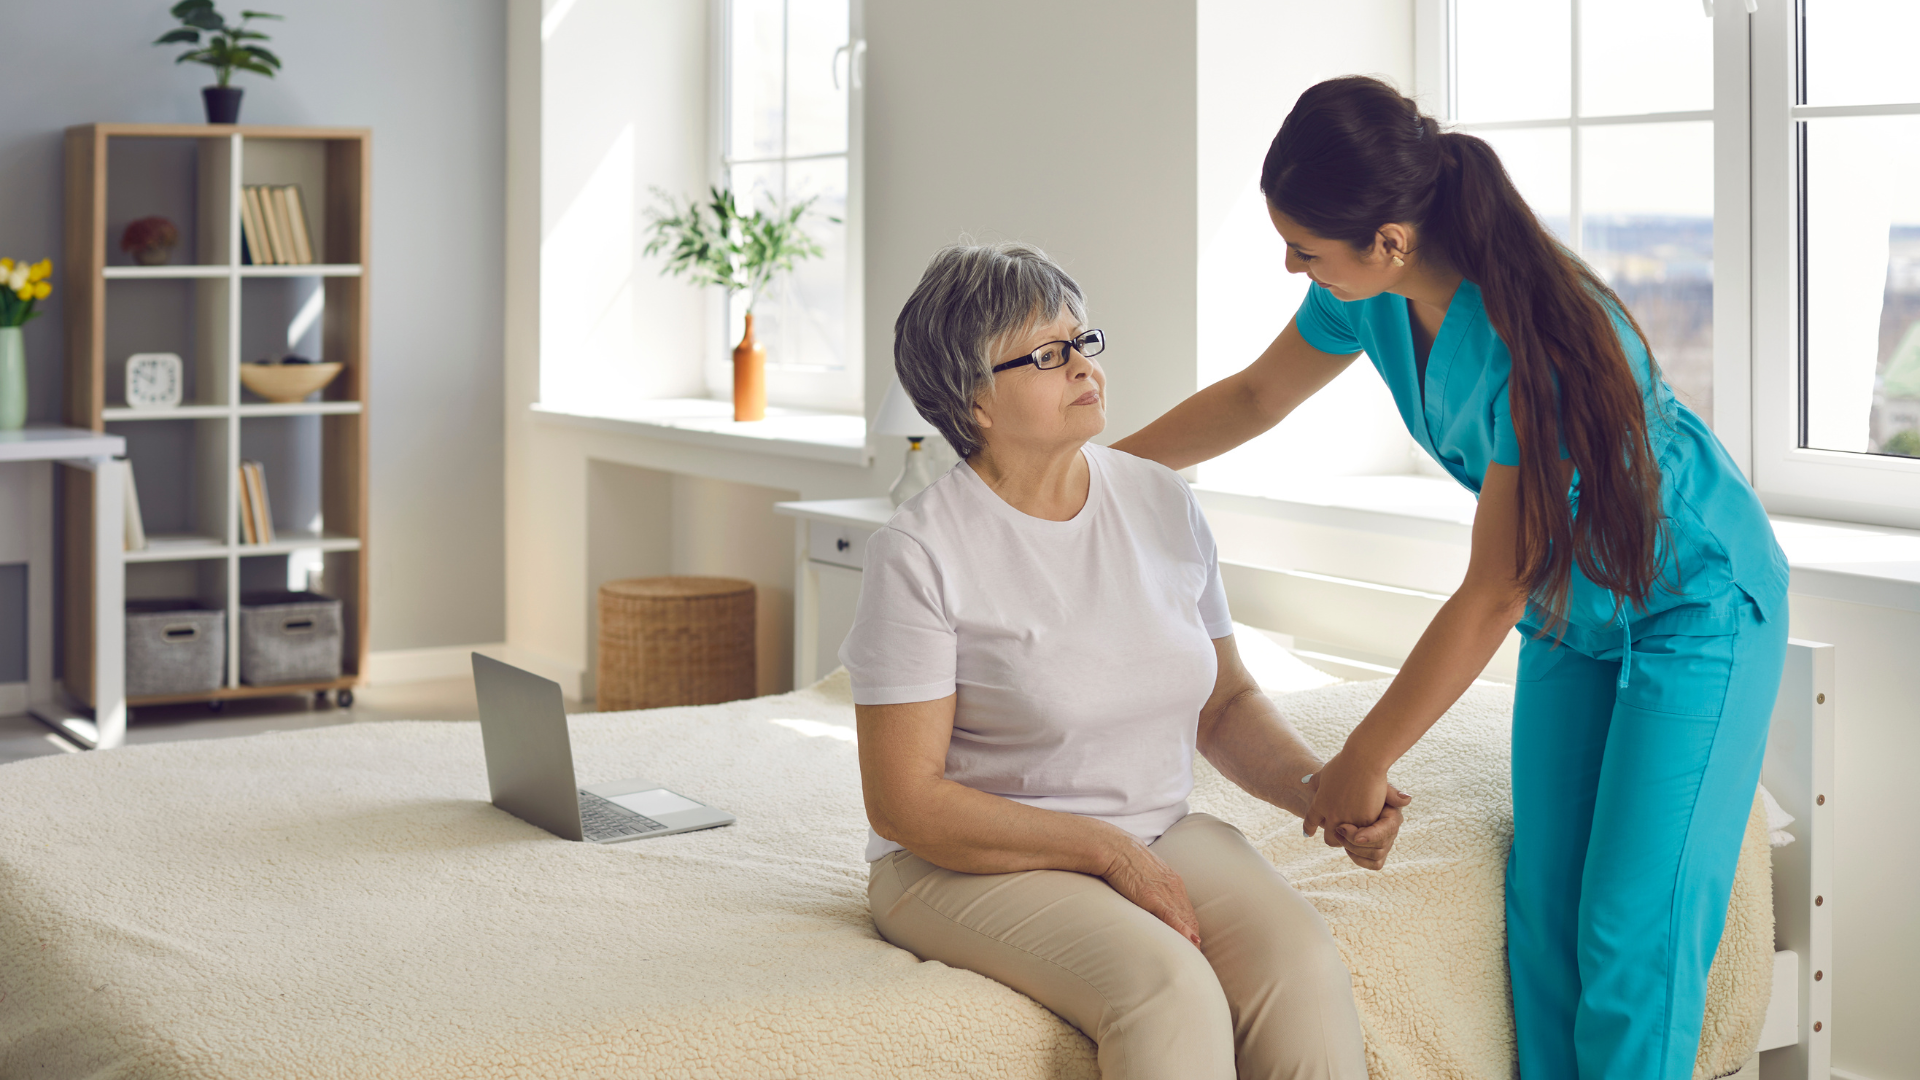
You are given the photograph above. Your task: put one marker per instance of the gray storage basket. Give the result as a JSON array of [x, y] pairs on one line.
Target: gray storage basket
[[289, 638], [174, 647]]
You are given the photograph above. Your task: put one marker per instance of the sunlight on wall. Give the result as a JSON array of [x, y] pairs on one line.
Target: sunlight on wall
[[623, 112], [586, 288], [1246, 296]]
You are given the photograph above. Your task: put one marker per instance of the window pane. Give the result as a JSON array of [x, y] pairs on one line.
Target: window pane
[[1641, 56], [1512, 59], [1647, 228], [754, 70], [802, 318], [756, 187], [1540, 161], [816, 108], [814, 297], [1861, 291], [1861, 51]]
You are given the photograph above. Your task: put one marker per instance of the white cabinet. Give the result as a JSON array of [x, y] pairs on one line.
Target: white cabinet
[[829, 550]]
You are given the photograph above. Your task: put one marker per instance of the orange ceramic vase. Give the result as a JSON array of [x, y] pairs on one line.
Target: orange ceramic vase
[[749, 377]]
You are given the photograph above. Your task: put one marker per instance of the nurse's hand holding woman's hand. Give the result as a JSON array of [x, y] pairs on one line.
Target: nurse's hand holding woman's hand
[[1355, 808]]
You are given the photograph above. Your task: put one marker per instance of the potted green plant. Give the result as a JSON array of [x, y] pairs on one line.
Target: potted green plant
[[715, 244], [226, 49]]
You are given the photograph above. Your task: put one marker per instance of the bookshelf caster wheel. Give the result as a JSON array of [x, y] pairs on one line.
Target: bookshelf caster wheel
[[216, 706], [343, 699], [319, 699]]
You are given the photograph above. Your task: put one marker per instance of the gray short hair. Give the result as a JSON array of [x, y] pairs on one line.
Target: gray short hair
[[969, 299]]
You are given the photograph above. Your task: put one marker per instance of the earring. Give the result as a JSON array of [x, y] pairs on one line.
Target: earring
[[1398, 261]]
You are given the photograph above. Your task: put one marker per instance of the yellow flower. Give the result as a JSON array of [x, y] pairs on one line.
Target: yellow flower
[[6, 265], [42, 270], [42, 290], [25, 292]]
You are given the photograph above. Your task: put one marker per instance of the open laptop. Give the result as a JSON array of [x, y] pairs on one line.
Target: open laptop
[[523, 722]]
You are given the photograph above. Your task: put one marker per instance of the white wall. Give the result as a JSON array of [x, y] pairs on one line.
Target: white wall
[[624, 111], [1256, 57]]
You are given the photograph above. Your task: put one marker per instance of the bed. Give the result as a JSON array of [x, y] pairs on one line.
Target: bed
[[344, 902]]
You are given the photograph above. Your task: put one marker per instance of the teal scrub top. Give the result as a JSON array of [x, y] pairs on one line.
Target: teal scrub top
[[1719, 552]]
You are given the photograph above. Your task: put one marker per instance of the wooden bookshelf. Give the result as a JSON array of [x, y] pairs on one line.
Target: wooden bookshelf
[[218, 297]]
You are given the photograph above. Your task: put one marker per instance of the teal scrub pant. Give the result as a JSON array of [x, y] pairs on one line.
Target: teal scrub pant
[[1629, 804]]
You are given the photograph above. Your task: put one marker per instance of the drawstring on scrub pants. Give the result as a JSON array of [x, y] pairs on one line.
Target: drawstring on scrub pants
[[1626, 653]]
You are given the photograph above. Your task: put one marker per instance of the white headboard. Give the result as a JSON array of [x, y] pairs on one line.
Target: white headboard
[[1799, 773]]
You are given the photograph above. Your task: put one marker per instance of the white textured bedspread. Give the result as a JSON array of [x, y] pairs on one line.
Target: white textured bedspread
[[344, 902]]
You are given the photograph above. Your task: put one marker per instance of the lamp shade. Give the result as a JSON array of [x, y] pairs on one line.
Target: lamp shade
[[898, 416]]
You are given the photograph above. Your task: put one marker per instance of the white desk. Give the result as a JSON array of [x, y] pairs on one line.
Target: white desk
[[829, 550], [39, 448]]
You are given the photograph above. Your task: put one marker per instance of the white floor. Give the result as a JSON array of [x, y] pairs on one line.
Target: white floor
[[24, 737]]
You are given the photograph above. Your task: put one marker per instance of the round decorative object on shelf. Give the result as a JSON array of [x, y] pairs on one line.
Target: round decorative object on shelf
[[154, 380], [223, 103], [286, 383], [675, 641], [150, 240], [13, 379]]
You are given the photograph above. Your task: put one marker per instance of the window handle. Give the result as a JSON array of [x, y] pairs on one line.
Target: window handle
[[856, 51]]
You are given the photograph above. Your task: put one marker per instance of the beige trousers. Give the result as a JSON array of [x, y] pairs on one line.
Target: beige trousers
[[1267, 994]]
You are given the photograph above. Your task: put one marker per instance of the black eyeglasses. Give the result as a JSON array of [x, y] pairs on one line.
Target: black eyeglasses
[[1054, 353]]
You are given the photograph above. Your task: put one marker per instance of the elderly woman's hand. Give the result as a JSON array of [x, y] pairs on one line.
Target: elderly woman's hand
[[1368, 847], [1136, 873], [1356, 808]]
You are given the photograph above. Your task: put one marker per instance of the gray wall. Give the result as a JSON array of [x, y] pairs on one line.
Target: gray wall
[[428, 76]]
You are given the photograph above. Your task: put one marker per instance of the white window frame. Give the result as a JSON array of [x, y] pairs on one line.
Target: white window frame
[[844, 389], [1756, 392], [1815, 483]]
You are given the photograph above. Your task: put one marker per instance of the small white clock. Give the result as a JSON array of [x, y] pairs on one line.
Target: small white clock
[[153, 380]]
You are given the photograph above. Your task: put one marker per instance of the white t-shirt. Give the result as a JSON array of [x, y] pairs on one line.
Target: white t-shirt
[[1081, 651]]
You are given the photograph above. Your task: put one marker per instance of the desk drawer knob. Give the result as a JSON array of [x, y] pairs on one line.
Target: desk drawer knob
[[841, 544]]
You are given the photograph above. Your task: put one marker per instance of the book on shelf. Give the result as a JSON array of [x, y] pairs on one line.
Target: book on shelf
[[253, 228], [276, 226], [135, 530], [273, 225], [256, 512], [247, 535], [297, 224]]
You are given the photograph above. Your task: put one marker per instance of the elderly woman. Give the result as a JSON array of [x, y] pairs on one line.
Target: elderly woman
[[1041, 644]]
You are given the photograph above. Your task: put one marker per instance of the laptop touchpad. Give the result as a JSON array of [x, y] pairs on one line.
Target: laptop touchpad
[[654, 803]]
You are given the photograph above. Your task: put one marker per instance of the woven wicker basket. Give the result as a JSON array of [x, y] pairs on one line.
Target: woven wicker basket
[[675, 641]]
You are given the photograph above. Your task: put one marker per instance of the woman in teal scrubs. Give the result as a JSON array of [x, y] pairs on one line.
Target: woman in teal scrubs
[[1612, 529]]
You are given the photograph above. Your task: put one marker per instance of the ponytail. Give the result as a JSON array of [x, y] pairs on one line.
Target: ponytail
[[1355, 155]]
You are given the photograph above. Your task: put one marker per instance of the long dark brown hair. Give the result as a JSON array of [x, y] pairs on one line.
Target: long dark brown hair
[[1354, 155]]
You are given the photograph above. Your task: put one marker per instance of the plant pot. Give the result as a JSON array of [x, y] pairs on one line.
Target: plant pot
[[13, 379], [749, 377], [223, 104]]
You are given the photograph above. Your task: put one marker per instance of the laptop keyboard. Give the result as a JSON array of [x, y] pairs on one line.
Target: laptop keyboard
[[604, 820]]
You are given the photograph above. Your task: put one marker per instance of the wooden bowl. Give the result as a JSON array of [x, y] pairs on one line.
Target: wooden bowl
[[287, 382]]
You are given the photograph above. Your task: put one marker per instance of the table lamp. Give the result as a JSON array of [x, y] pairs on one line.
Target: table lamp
[[897, 416]]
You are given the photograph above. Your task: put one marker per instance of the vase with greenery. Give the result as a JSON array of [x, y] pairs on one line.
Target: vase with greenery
[[22, 286], [226, 49], [713, 243]]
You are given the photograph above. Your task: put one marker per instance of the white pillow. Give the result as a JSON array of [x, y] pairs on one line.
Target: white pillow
[[1274, 668], [1777, 820]]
